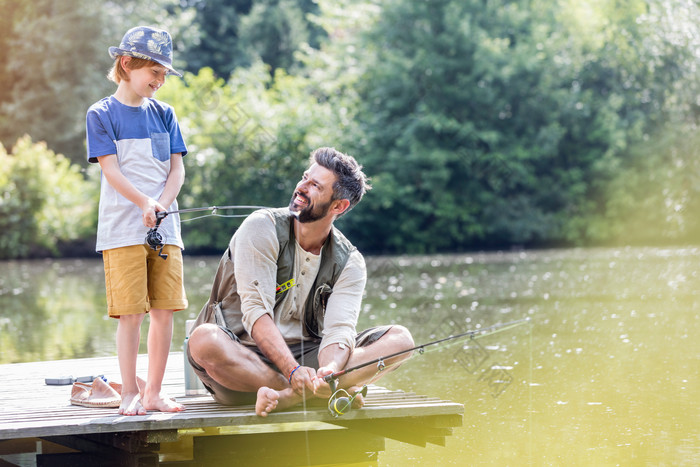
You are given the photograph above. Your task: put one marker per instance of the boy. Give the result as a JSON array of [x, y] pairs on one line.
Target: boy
[[137, 142]]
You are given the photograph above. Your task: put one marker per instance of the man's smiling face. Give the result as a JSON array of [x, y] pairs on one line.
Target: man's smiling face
[[312, 197]]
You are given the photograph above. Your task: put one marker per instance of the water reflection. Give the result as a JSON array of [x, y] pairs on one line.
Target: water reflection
[[53, 310], [606, 375]]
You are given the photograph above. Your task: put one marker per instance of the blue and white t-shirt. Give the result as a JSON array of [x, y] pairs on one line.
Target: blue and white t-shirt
[[143, 138]]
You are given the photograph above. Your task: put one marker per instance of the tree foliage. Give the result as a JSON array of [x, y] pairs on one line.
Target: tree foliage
[[481, 123], [503, 122], [46, 67], [44, 201], [249, 141], [235, 34], [54, 62]]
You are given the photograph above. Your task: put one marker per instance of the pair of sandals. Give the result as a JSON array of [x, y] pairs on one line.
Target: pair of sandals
[[98, 393]]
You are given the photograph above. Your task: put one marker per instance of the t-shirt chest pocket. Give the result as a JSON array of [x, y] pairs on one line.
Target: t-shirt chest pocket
[[160, 145]]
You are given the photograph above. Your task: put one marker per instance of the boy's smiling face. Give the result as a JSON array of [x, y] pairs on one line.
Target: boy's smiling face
[[145, 81]]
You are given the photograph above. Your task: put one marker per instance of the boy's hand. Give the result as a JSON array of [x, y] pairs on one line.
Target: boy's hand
[[149, 209]]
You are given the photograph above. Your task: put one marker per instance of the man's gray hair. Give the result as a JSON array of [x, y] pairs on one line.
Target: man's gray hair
[[351, 182]]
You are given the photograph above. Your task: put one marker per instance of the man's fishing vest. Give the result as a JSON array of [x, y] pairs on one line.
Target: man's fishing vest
[[224, 305]]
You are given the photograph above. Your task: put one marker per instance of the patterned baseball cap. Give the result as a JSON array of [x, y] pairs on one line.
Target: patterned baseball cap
[[149, 44]]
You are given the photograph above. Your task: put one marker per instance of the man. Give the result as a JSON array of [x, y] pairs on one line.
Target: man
[[286, 298]]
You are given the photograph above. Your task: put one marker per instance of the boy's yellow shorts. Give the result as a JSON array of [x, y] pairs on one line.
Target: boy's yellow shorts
[[137, 279]]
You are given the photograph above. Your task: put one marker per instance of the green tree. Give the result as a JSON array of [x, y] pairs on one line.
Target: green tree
[[454, 104], [248, 139], [47, 71], [44, 201], [273, 31], [234, 34], [217, 45], [54, 61], [653, 194], [504, 122]]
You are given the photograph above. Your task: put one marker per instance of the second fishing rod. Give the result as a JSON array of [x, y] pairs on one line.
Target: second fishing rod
[[340, 401]]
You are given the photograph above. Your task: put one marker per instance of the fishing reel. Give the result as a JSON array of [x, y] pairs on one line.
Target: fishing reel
[[341, 401], [154, 239]]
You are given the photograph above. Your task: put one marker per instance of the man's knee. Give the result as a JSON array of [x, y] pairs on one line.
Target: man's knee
[[396, 340], [203, 342], [400, 337]]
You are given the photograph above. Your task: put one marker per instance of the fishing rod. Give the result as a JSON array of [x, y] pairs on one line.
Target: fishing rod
[[155, 240], [341, 405]]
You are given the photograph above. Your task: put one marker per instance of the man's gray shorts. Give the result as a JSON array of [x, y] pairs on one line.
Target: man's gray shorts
[[306, 353]]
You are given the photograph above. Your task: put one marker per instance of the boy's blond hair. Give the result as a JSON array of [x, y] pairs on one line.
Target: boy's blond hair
[[117, 73]]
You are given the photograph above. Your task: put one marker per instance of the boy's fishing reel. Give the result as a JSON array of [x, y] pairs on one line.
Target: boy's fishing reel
[[154, 239]]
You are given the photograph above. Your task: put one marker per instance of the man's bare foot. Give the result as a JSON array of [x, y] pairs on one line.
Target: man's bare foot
[[266, 401], [162, 403], [131, 405], [358, 400]]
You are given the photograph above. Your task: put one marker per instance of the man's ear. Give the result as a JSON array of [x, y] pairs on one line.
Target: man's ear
[[340, 206]]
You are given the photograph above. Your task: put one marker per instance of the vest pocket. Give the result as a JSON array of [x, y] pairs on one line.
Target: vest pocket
[[321, 299], [160, 145], [219, 315]]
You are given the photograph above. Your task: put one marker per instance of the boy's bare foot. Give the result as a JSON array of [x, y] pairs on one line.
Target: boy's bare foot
[[131, 405], [162, 404], [266, 401]]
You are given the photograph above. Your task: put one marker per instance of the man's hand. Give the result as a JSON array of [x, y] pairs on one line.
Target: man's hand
[[331, 358], [321, 388], [302, 380]]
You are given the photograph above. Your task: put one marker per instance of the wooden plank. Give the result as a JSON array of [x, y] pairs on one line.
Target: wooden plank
[[83, 423], [132, 441], [289, 449], [17, 446], [413, 430], [32, 409], [101, 459], [438, 440], [208, 414]]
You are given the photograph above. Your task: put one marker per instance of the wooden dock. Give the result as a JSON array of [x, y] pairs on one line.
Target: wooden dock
[[38, 426]]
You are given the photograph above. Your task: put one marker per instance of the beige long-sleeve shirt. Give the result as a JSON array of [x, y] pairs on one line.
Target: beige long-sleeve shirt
[[255, 249]]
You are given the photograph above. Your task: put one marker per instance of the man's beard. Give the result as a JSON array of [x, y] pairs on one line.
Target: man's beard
[[309, 213]]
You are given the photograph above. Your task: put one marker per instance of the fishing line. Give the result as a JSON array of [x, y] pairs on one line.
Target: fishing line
[[343, 401], [458, 339], [214, 211], [155, 239], [307, 442], [529, 397], [474, 334]]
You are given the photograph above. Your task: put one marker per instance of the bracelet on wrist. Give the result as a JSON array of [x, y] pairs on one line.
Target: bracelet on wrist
[[292, 373]]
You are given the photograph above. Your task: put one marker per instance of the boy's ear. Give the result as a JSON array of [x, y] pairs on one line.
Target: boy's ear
[[124, 60]]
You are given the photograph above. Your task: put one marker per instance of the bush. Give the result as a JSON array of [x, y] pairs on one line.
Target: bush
[[44, 201]]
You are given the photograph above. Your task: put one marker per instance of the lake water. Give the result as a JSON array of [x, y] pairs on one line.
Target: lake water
[[605, 374]]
